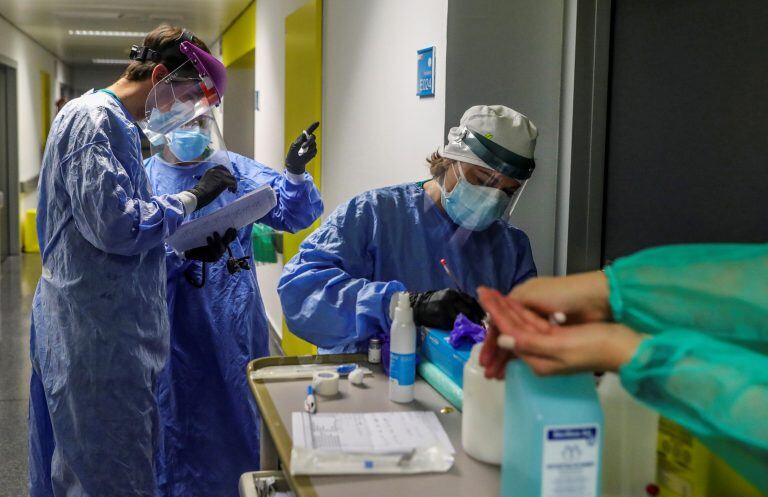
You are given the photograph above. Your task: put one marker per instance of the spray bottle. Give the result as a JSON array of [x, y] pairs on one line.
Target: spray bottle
[[402, 351]]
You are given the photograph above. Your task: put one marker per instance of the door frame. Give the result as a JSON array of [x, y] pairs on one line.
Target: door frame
[[581, 225], [12, 200]]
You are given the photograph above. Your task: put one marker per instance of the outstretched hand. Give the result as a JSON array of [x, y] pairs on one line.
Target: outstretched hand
[[547, 348]]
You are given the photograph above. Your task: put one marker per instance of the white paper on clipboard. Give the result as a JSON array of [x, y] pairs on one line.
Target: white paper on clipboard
[[247, 209]]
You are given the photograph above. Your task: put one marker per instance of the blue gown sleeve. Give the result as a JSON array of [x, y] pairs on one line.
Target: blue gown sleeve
[[526, 268], [105, 208], [326, 290], [298, 206]]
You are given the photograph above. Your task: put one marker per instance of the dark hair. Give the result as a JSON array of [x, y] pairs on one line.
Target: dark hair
[[163, 39]]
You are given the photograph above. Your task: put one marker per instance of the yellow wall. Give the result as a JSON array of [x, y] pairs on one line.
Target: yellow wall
[[240, 37], [303, 103]]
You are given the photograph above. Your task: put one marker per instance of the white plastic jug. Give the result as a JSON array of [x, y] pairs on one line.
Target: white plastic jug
[[482, 421]]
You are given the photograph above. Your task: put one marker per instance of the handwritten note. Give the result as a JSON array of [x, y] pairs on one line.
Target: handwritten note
[[245, 210]]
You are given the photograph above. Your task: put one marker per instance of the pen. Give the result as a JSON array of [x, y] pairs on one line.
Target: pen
[[557, 318], [307, 134]]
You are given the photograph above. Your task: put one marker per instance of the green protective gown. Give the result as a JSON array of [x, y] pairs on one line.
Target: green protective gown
[[705, 365]]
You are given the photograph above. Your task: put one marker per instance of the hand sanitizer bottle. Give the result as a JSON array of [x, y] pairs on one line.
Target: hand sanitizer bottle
[[553, 430], [402, 351]]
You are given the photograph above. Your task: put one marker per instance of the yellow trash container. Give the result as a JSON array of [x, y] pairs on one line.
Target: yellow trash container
[[686, 468], [29, 232]]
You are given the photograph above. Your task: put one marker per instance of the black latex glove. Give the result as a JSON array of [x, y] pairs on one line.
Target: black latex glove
[[214, 181], [439, 308], [214, 249], [302, 150]]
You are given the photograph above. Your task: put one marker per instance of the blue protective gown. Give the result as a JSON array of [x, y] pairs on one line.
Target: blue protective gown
[[99, 321], [209, 420], [336, 291]]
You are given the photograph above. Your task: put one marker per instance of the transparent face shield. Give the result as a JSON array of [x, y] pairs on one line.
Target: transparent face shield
[[177, 99], [479, 196], [197, 140]]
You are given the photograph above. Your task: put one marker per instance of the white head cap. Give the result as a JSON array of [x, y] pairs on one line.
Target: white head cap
[[495, 137]]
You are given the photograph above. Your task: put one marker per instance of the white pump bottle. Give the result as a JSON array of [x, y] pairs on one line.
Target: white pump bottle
[[402, 351]]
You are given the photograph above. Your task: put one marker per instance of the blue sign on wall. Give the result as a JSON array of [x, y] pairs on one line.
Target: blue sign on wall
[[425, 82]]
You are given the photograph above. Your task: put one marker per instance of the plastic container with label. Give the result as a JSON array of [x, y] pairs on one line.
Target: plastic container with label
[[553, 430], [482, 420]]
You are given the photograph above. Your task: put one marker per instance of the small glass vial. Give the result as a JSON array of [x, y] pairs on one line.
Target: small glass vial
[[374, 351]]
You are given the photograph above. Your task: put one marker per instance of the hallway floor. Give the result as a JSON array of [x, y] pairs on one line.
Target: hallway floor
[[18, 278]]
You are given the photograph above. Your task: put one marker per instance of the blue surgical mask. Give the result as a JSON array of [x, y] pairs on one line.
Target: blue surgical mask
[[187, 145], [471, 206]]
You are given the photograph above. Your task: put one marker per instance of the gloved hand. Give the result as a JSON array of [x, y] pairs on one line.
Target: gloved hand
[[302, 150], [439, 308], [214, 181], [216, 247]]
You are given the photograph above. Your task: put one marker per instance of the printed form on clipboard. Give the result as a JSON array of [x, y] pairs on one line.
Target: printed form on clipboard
[[245, 210], [375, 442]]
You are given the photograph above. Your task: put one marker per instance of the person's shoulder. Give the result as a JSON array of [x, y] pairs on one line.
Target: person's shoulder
[[512, 231], [96, 110], [387, 196], [150, 162], [373, 203]]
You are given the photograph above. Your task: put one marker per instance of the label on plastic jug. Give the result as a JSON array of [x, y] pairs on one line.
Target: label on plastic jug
[[402, 367], [570, 461]]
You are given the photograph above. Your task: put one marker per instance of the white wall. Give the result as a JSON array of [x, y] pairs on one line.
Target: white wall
[[269, 121], [376, 131], [270, 79], [29, 59]]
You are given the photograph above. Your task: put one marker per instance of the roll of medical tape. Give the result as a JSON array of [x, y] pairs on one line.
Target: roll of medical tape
[[326, 383]]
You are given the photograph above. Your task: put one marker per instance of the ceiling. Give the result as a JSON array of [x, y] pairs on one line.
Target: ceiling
[[49, 22]]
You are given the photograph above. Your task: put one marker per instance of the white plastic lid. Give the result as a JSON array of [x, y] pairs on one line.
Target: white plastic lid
[[404, 302], [403, 311]]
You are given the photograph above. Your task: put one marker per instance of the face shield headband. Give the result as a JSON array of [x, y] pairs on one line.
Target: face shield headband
[[497, 157]]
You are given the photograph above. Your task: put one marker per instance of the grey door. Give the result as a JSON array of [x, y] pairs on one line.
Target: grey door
[[9, 183], [687, 147]]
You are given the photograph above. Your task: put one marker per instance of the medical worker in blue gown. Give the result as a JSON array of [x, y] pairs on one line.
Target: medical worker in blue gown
[[99, 332], [209, 421], [336, 291]]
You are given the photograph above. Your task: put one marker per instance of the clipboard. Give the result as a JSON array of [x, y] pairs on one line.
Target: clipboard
[[245, 210]]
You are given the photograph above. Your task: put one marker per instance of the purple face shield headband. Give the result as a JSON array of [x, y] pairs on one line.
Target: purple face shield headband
[[212, 72]]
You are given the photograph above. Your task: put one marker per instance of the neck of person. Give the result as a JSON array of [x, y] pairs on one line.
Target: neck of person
[[133, 95], [433, 190]]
